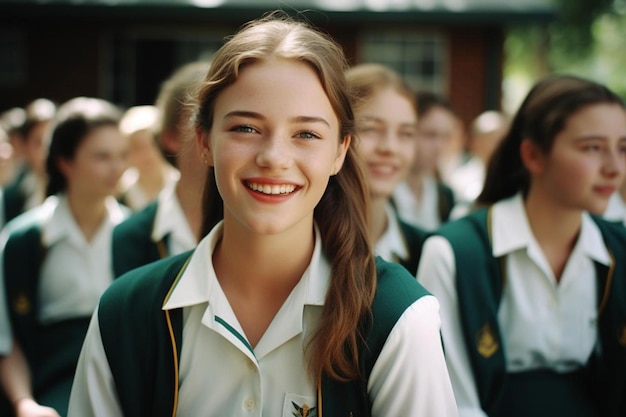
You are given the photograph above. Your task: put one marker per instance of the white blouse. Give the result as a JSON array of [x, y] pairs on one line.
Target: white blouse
[[544, 324], [409, 377]]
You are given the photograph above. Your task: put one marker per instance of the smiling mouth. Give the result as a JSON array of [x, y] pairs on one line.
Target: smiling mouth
[[276, 189]]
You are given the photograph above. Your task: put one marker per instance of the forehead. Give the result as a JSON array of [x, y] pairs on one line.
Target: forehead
[[602, 119], [277, 86], [388, 103]]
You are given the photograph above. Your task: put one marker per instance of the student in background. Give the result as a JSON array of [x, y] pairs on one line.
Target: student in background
[[27, 190], [386, 124], [277, 309], [423, 199], [56, 258], [532, 286], [467, 181], [149, 173], [11, 121], [171, 224]]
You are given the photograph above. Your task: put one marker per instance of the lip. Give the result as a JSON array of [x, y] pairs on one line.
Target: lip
[[272, 182], [605, 190], [383, 170]]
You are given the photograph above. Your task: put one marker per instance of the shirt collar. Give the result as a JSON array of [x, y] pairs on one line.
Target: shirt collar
[[391, 244], [61, 224], [170, 218], [511, 231], [197, 283]]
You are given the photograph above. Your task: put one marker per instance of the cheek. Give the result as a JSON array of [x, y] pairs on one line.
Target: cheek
[[407, 151], [367, 146]]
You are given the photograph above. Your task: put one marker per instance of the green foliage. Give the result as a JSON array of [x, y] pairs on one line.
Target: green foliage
[[587, 40]]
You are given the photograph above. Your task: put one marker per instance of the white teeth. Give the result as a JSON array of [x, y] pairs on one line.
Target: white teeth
[[271, 189]]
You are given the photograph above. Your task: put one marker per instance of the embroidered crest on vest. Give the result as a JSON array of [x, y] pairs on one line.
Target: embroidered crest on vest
[[486, 342], [304, 411], [21, 304], [622, 337]]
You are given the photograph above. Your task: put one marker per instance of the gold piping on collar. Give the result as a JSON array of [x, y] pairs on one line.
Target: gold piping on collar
[[607, 286], [175, 354]]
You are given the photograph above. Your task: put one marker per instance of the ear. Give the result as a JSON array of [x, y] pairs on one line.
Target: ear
[[170, 143], [532, 157], [204, 149], [64, 166], [342, 150]]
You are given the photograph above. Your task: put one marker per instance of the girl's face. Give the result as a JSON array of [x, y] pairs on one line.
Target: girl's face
[[436, 130], [387, 128], [274, 143], [588, 159], [98, 163]]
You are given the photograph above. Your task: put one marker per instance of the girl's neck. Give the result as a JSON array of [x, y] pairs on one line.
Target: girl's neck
[[257, 273], [152, 179], [378, 218], [555, 228], [191, 205], [190, 185], [262, 262], [415, 182], [88, 213]]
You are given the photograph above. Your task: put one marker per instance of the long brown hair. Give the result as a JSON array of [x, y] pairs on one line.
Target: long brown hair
[[341, 214], [542, 115]]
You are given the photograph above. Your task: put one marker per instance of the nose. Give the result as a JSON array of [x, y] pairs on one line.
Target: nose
[[274, 152], [614, 163], [387, 142]]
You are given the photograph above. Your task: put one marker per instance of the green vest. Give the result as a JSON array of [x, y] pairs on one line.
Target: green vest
[[142, 342], [51, 350], [132, 241], [414, 238], [479, 298]]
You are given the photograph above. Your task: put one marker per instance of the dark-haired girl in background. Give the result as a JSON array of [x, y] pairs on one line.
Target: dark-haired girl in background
[[57, 257], [533, 286]]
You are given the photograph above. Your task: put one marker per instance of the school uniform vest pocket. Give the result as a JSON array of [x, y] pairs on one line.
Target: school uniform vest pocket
[[299, 406]]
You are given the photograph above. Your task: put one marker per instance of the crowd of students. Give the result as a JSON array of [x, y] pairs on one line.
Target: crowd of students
[[300, 237]]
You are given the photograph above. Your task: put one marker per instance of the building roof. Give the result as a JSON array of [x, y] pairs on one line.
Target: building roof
[[431, 11]]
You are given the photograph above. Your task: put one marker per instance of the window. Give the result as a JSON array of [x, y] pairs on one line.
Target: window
[[12, 61], [419, 56], [140, 62]]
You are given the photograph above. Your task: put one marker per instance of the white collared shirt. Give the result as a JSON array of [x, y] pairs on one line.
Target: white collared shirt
[[543, 324], [409, 377], [422, 212], [391, 246], [170, 220], [75, 272]]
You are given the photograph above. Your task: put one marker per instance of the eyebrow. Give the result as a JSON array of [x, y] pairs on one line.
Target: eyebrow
[[259, 116], [382, 121]]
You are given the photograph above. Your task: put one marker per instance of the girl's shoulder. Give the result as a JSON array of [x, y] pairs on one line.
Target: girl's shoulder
[[143, 289], [396, 288]]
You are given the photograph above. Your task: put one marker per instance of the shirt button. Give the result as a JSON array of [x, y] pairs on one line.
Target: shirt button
[[249, 404]]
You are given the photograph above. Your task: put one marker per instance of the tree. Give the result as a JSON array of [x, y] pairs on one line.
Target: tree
[[581, 41]]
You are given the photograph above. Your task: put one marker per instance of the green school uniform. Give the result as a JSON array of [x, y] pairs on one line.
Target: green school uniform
[[142, 353], [414, 238], [600, 389], [51, 350], [132, 241]]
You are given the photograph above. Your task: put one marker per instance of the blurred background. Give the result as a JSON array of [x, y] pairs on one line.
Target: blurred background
[[481, 54]]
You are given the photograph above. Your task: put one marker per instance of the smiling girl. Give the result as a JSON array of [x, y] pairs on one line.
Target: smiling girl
[[386, 123], [533, 287], [57, 257], [281, 310]]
